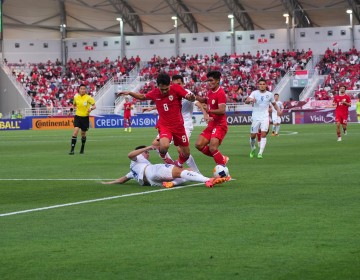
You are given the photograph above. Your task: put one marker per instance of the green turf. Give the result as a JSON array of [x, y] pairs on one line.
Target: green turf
[[292, 215]]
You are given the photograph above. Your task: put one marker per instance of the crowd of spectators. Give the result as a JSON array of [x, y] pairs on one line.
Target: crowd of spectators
[[340, 68], [240, 72], [52, 85]]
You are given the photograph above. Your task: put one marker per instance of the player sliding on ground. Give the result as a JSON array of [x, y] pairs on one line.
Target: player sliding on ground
[[165, 175]]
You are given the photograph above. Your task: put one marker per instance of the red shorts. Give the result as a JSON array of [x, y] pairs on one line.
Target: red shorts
[[341, 118], [178, 136], [218, 132]]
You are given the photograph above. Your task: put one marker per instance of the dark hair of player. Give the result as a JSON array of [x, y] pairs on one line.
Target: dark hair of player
[[214, 74], [261, 80], [178, 77], [140, 147], [163, 79]]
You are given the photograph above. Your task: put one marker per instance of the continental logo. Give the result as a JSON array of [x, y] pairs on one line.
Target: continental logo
[[52, 123], [10, 125]]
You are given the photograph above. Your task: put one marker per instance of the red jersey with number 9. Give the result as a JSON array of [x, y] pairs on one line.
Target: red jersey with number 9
[[213, 101], [169, 106]]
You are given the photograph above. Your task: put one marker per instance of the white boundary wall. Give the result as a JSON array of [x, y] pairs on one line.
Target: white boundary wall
[[318, 39]]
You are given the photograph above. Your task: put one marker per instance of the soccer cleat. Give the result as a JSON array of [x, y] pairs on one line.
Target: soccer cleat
[[339, 139], [71, 153], [226, 159], [259, 156], [81, 152], [252, 153], [129, 129], [168, 185], [276, 134], [273, 133], [168, 160], [216, 180], [345, 131], [125, 129]]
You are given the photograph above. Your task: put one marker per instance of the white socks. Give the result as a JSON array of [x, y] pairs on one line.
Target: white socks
[[252, 143], [191, 163], [262, 145], [277, 129], [193, 176]]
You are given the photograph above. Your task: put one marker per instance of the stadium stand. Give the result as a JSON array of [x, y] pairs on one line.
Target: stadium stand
[[52, 86], [340, 68]]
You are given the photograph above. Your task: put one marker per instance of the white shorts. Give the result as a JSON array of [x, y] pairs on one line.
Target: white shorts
[[158, 173], [275, 119], [262, 124]]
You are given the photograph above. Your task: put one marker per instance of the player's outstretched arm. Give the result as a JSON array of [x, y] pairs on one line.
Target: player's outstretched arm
[[203, 108], [133, 154], [191, 97], [120, 180], [149, 109], [200, 99], [136, 95]]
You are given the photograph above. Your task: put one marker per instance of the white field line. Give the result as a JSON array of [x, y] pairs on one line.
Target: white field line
[[44, 179], [92, 200], [89, 201]]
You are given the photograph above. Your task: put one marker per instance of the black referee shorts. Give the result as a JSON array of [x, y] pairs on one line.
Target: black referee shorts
[[81, 122]]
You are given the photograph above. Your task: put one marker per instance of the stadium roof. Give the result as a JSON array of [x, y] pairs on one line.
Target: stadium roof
[[86, 18]]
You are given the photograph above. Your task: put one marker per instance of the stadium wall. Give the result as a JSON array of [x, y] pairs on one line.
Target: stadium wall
[[10, 99], [98, 48]]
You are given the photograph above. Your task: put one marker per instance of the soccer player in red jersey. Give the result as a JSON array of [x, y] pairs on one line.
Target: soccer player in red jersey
[[342, 102], [127, 114], [171, 123], [210, 139]]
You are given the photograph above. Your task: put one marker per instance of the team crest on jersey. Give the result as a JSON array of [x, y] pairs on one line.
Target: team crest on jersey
[[171, 97], [213, 101]]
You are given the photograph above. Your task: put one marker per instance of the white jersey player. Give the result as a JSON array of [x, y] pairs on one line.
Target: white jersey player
[[276, 119], [187, 113], [261, 99], [166, 175]]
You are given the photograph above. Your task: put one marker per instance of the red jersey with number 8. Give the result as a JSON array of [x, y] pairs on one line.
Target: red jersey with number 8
[[169, 106]]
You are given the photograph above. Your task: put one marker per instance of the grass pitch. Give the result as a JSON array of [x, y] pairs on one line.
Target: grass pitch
[[292, 215]]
